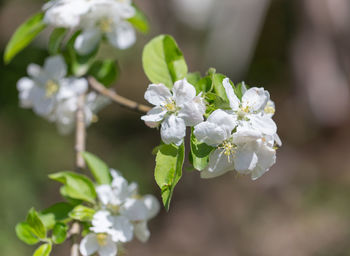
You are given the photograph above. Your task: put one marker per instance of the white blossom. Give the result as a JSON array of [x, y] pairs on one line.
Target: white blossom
[[100, 243], [174, 110]]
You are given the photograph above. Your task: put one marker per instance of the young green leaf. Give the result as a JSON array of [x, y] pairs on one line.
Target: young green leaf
[[82, 213], [43, 250], [59, 233], [199, 153], [36, 224], [139, 21], [163, 62], [56, 38], [105, 71], [77, 186], [24, 35], [55, 213], [26, 234], [218, 86], [98, 168], [168, 170]]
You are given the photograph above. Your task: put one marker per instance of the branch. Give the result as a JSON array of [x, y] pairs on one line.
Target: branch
[[80, 136], [120, 100]]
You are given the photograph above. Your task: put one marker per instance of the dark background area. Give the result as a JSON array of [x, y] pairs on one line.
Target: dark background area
[[298, 50]]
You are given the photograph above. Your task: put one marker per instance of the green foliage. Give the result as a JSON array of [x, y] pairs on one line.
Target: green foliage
[[56, 39], [26, 234], [24, 35], [76, 186], [59, 233], [43, 250], [168, 170], [139, 21], [163, 62], [105, 71], [82, 213], [36, 224], [199, 153], [56, 213], [78, 64], [218, 86], [98, 168], [239, 90]]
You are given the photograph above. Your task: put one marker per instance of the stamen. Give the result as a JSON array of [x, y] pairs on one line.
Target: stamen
[[105, 24], [170, 106], [269, 110], [51, 88], [229, 149], [102, 239]]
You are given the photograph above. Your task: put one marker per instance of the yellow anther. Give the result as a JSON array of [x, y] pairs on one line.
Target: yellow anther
[[51, 88], [102, 239], [114, 208], [245, 109], [105, 25], [229, 149], [269, 110], [170, 106]]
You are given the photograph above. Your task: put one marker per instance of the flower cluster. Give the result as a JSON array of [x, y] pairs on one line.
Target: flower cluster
[[243, 137], [123, 213], [54, 96], [96, 18]]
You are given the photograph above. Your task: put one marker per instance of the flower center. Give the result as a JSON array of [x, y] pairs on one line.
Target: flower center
[[102, 239], [229, 149], [105, 24], [170, 106], [51, 88], [269, 110], [114, 208]]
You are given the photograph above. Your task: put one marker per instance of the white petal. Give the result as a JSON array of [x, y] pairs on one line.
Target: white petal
[[210, 133], [56, 67], [34, 70], [263, 124], [87, 41], [122, 229], [123, 36], [89, 245], [245, 159], [255, 98], [152, 205], [102, 221], [234, 101], [134, 210], [24, 86], [125, 10], [141, 231], [173, 130], [245, 134], [266, 158], [42, 105], [70, 87], [219, 164], [156, 94], [109, 249], [154, 117], [192, 112], [104, 193], [65, 115], [183, 92], [277, 140]]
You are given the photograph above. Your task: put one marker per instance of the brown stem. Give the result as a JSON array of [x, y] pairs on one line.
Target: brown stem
[[120, 100], [80, 137]]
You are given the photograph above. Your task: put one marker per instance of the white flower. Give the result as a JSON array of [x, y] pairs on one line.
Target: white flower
[[251, 109], [100, 243], [47, 86], [174, 110], [106, 19], [246, 150]]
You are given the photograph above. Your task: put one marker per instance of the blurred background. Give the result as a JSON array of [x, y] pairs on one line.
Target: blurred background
[[299, 50]]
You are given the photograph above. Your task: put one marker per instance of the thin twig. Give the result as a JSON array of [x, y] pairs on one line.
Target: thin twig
[[120, 100], [80, 137]]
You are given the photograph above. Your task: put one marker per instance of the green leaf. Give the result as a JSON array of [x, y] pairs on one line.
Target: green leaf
[[82, 213], [163, 62], [56, 213], [56, 38], [168, 171], [26, 234], [98, 168], [24, 35], [36, 224], [199, 153], [239, 89], [43, 250], [218, 87], [77, 186], [139, 21], [79, 65], [59, 233], [105, 71]]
